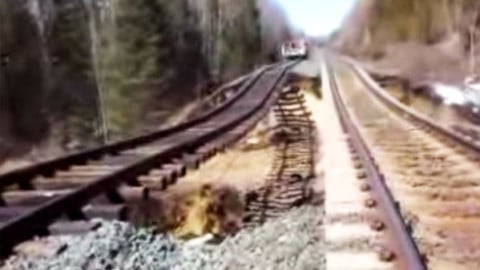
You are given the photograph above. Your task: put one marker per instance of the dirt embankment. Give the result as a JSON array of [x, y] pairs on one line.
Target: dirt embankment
[[420, 63], [418, 40]]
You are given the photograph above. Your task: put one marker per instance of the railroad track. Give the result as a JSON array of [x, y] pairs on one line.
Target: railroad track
[[62, 194], [469, 131], [287, 184], [433, 172], [392, 239]]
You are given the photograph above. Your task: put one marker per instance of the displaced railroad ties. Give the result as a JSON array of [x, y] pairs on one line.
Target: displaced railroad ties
[[288, 183], [61, 195]]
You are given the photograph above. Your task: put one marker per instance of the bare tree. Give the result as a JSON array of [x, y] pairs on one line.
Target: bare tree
[[472, 30]]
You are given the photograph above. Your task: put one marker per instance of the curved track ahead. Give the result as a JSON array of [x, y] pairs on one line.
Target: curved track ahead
[[98, 182]]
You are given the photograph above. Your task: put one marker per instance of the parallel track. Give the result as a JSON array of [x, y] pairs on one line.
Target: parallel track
[[433, 172], [104, 178], [400, 245]]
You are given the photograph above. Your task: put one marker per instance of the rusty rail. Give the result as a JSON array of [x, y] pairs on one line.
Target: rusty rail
[[404, 246]]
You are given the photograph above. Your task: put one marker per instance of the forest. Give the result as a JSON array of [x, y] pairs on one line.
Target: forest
[[79, 73], [375, 24]]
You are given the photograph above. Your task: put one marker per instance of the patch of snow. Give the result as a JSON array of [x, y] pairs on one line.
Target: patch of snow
[[202, 240], [474, 86], [451, 95]]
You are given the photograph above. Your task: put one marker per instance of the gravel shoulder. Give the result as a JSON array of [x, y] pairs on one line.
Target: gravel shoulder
[[293, 241]]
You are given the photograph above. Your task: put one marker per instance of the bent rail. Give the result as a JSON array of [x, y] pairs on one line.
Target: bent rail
[[255, 97], [22, 176]]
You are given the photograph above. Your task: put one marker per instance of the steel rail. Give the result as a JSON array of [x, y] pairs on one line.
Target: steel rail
[[406, 249], [24, 175], [407, 112], [204, 104], [36, 220]]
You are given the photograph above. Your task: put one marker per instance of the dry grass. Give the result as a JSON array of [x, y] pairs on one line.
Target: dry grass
[[217, 211], [244, 170]]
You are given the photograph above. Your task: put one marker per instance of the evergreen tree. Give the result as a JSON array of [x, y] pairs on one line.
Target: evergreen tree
[[73, 95], [241, 39], [23, 75], [129, 59], [104, 65]]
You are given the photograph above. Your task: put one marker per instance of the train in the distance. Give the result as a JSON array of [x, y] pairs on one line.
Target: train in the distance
[[295, 49]]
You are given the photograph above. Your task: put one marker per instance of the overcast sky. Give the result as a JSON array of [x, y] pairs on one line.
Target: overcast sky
[[317, 17]]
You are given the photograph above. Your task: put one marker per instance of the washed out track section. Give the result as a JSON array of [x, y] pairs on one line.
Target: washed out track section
[[433, 172], [288, 184], [55, 196], [393, 241]]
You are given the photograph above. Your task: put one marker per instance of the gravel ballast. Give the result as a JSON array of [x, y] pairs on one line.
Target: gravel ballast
[[293, 241]]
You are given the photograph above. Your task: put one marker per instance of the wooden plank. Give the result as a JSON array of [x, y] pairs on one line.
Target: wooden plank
[[80, 174], [39, 249], [31, 197], [60, 183], [190, 161], [119, 160], [72, 227], [154, 182], [167, 175], [106, 211], [9, 212], [179, 168], [129, 193], [88, 167]]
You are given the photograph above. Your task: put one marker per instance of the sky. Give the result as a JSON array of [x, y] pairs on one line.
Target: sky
[[317, 17]]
